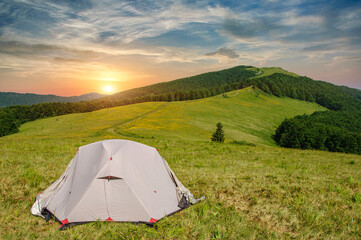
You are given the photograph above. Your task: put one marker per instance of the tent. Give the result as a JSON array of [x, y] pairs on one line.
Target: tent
[[113, 180]]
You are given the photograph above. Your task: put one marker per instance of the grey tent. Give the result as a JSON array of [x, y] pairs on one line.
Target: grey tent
[[113, 180]]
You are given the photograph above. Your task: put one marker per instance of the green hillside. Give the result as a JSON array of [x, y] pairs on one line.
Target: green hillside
[[317, 131], [205, 81], [201, 82], [248, 114], [252, 192]]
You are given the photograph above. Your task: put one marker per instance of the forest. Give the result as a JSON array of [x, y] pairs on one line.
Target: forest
[[333, 131]]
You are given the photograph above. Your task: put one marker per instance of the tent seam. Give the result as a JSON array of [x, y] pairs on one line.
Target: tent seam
[[62, 182], [136, 195], [105, 191], [91, 183], [72, 180]]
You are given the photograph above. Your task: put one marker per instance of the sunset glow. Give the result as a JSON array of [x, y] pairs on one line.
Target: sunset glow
[[134, 44], [108, 89]]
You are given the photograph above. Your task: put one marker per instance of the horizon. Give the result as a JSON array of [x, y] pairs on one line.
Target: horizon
[[74, 48], [108, 94], [57, 95]]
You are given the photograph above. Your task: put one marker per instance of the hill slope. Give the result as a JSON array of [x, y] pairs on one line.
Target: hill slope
[[11, 98], [206, 81], [252, 192], [199, 82], [334, 137], [247, 114]]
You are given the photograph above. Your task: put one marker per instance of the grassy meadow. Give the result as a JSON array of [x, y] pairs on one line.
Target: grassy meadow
[[253, 189]]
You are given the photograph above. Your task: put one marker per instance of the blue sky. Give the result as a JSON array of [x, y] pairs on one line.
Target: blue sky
[[75, 47]]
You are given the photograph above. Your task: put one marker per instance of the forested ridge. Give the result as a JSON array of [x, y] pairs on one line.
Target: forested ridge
[[11, 98], [351, 91], [335, 130], [203, 82]]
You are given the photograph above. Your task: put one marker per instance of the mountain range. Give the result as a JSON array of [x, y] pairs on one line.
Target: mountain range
[[12, 98]]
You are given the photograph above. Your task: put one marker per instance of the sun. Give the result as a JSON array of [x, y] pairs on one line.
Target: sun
[[108, 89]]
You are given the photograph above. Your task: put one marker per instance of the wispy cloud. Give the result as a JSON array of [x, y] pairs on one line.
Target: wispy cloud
[[228, 52]]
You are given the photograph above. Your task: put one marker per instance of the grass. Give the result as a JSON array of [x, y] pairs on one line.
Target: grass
[[243, 143], [245, 114], [266, 71], [253, 189]]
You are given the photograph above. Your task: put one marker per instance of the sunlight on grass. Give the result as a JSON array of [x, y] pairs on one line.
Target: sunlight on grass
[[271, 70]]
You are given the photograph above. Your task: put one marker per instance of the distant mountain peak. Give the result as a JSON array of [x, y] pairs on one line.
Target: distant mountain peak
[[13, 98]]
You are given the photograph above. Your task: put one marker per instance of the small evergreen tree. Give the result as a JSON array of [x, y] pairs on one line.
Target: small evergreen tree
[[218, 135]]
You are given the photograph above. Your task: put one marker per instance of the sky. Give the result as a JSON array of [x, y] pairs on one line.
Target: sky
[[67, 47]]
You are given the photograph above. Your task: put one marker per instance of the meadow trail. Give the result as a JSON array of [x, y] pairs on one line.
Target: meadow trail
[[111, 129]]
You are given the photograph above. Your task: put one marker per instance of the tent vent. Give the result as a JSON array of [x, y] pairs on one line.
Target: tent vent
[[110, 177]]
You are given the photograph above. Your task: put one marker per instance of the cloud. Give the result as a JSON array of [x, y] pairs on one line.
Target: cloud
[[67, 60], [227, 52], [26, 50], [249, 29], [106, 35], [78, 5], [320, 47], [16, 47]]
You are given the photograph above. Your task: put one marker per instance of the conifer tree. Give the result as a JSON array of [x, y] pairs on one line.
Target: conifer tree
[[218, 135]]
